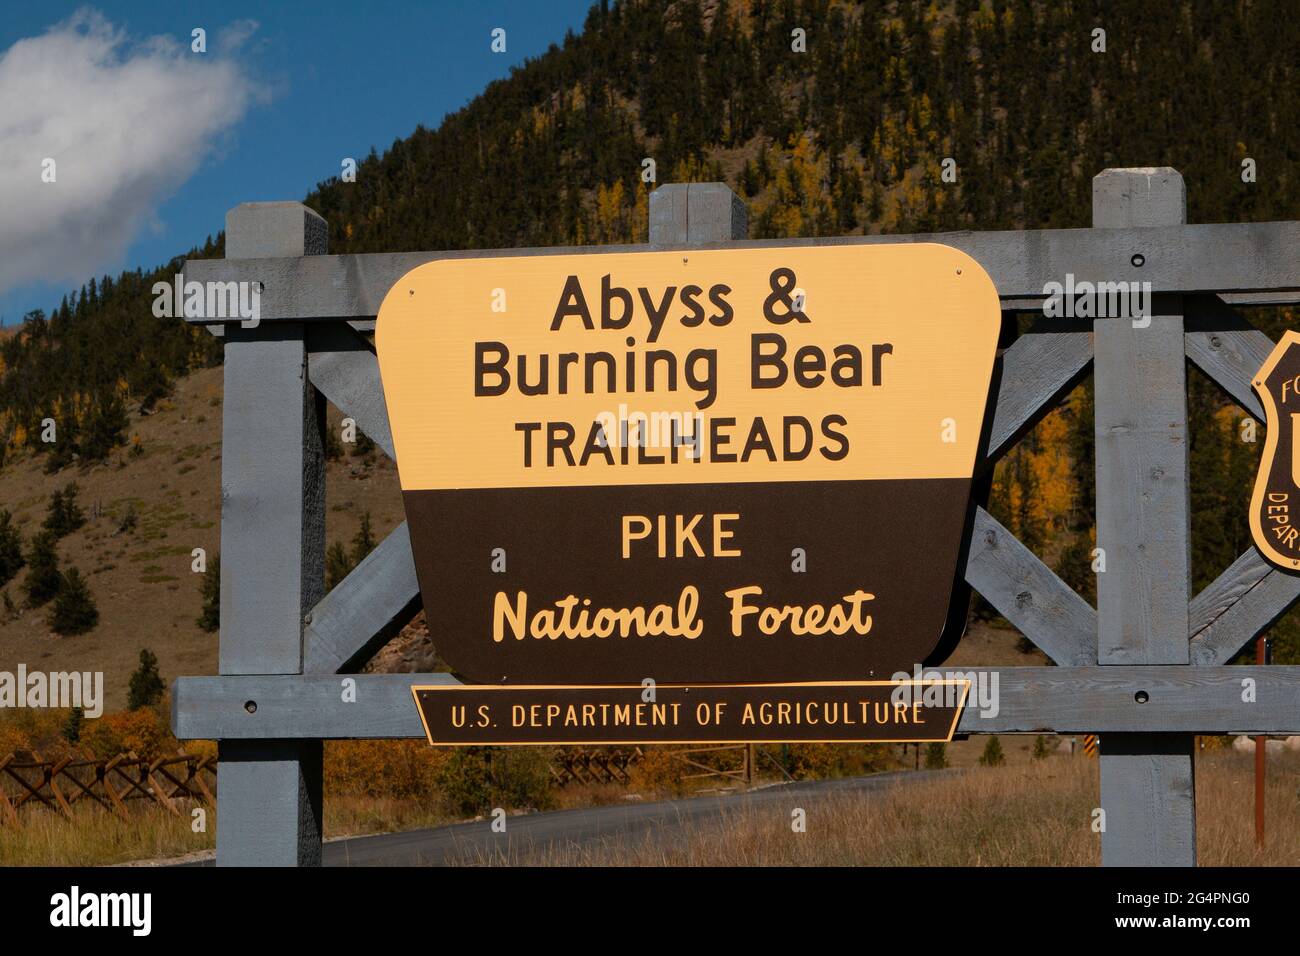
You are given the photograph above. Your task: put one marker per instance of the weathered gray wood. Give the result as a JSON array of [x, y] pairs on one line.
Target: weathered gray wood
[[1143, 525], [1291, 297], [1227, 348], [1029, 595], [1226, 357], [1142, 501], [1148, 794], [1240, 257], [269, 803], [1226, 590], [1142, 197], [1026, 700], [1037, 371], [272, 500], [272, 475], [1139, 375], [273, 551], [1253, 613], [344, 368], [688, 214], [260, 230], [365, 610]]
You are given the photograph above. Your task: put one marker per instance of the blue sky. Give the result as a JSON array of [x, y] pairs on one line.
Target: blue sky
[[322, 81]]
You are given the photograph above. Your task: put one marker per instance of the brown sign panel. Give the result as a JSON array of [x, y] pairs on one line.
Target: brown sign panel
[[716, 466], [1275, 504], [854, 711]]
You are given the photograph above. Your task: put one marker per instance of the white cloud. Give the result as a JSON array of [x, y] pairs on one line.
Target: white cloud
[[126, 122]]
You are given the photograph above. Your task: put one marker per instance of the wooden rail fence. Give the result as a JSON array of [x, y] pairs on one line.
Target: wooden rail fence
[[594, 766], [26, 779]]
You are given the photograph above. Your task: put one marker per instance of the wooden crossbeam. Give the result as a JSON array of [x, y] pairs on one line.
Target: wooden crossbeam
[[343, 367], [1226, 347], [364, 610], [1037, 700], [1241, 577], [1030, 595], [1036, 372], [1265, 595], [1218, 257]]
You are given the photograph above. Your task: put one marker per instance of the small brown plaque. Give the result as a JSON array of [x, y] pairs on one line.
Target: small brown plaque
[[1275, 504], [845, 712]]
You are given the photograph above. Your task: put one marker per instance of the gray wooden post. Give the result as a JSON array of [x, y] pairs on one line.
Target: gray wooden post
[[689, 214], [272, 550], [1147, 780]]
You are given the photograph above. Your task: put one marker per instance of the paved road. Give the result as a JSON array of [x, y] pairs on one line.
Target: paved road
[[475, 842]]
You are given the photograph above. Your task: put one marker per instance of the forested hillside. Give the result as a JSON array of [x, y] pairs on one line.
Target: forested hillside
[[848, 136]]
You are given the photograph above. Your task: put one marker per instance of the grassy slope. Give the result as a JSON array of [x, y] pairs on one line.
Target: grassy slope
[[141, 580]]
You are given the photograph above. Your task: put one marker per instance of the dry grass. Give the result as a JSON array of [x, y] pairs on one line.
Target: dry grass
[[1225, 810], [1033, 815], [361, 816], [95, 837]]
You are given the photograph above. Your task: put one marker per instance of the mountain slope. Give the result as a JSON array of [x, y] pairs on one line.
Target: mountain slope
[[849, 136]]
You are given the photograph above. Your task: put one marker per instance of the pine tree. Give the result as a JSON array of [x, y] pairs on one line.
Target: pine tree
[[210, 589], [364, 540], [364, 447], [105, 429], [72, 726], [146, 687], [338, 564], [11, 549], [151, 386], [54, 514], [129, 519], [992, 756], [936, 756], [74, 610], [1075, 567], [1041, 751], [333, 445], [64, 514], [43, 578]]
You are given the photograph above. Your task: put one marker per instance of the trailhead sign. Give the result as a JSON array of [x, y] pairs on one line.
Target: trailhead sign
[[703, 467]]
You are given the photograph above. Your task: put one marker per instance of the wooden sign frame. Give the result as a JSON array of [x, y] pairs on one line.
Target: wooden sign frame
[[1146, 668]]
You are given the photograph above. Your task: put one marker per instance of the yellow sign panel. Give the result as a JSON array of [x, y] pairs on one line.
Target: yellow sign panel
[[581, 370]]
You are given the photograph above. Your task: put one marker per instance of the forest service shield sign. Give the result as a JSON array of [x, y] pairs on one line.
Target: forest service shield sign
[[732, 465], [1275, 504]]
